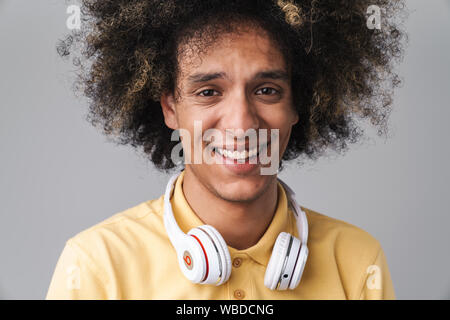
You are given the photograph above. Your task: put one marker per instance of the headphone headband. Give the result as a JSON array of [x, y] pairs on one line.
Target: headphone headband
[[300, 216], [173, 229]]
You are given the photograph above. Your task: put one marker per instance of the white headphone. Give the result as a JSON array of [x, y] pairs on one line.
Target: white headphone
[[204, 258]]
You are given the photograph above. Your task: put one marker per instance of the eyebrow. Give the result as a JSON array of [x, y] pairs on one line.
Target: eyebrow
[[204, 77], [269, 74], [273, 74]]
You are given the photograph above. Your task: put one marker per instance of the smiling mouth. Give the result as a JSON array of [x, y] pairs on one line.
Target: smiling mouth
[[244, 155]]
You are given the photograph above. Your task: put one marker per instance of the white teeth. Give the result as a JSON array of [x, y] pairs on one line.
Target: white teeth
[[236, 155]]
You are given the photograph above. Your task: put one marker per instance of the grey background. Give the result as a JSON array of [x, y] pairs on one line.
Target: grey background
[[59, 176]]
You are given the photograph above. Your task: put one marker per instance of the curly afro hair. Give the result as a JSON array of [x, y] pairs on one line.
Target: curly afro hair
[[126, 54]]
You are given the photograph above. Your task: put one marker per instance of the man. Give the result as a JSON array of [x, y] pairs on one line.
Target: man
[[232, 69]]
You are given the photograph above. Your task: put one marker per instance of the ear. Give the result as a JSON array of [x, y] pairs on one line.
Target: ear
[[296, 118], [168, 109]]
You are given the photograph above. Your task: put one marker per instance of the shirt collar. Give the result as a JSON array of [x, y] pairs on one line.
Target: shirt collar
[[283, 220]]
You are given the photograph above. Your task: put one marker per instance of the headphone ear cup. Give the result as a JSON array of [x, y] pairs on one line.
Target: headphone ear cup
[[191, 259], [299, 267], [290, 264], [208, 253], [224, 253], [276, 262]]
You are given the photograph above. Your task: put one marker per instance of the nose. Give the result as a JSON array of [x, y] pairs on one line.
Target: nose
[[241, 115]]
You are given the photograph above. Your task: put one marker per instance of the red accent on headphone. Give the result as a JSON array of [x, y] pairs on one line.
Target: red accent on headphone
[[186, 260], [206, 256]]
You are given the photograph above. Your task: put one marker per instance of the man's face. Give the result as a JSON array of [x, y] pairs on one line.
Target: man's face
[[240, 83]]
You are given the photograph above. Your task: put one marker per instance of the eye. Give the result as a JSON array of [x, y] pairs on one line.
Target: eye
[[268, 91], [207, 93]]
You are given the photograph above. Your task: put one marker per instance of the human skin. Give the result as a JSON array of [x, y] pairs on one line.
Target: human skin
[[240, 205]]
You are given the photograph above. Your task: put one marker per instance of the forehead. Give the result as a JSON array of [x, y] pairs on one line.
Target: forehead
[[249, 50]]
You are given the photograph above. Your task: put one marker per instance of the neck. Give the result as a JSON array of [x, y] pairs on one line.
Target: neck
[[240, 223]]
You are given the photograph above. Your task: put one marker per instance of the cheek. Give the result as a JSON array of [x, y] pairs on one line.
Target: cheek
[[196, 123], [278, 118], [283, 120]]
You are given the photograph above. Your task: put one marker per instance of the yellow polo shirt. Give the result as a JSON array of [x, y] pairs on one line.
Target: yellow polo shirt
[[129, 256]]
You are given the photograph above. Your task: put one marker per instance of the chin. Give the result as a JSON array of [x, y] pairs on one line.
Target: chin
[[244, 189]]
